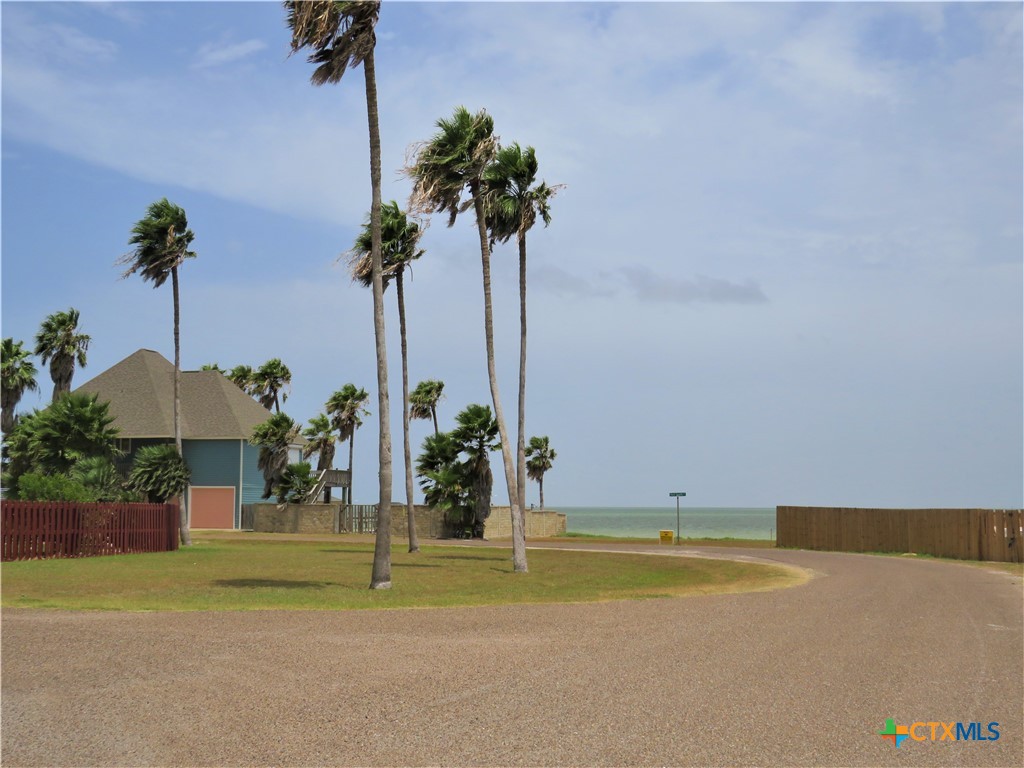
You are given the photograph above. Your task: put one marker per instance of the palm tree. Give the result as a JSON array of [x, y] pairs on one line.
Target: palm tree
[[17, 376], [161, 241], [320, 437], [399, 248], [53, 440], [243, 377], [443, 480], [452, 161], [274, 437], [59, 342], [476, 431], [347, 408], [542, 456], [272, 378], [424, 399], [513, 204], [213, 367], [296, 483], [342, 34]]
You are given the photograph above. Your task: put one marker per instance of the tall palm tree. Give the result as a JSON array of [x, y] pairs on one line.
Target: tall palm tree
[[452, 161], [273, 437], [424, 399], [161, 241], [341, 34], [60, 342], [271, 383], [513, 204], [542, 456], [320, 440], [399, 248], [17, 376], [347, 408]]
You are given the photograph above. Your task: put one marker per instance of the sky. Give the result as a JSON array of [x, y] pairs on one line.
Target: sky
[[785, 267]]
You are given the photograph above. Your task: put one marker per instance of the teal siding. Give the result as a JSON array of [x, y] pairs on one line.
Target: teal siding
[[214, 462], [252, 478]]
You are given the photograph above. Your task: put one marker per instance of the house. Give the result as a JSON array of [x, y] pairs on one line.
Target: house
[[217, 419]]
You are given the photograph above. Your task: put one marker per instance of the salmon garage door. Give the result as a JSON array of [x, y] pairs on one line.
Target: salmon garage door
[[212, 508]]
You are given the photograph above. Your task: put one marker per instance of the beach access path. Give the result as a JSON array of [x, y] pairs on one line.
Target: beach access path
[[804, 676]]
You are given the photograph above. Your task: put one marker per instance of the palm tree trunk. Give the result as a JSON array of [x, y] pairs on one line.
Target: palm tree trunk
[[518, 539], [186, 537], [541, 483], [521, 437], [410, 510], [381, 577], [433, 414]]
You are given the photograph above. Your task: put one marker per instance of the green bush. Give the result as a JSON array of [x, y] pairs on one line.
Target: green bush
[[34, 486], [159, 473]]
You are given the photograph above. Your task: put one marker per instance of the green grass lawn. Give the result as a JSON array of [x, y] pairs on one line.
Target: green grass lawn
[[278, 572]]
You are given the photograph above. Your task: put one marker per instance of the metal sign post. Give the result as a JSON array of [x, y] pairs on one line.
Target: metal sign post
[[677, 494]]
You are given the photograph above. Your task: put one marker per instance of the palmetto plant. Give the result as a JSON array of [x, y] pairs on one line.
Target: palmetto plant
[[514, 202], [541, 457], [444, 480], [17, 376], [346, 407], [159, 473], [60, 343], [99, 474], [341, 34], [52, 441], [273, 437], [161, 241], [296, 483], [442, 169], [399, 248], [424, 399], [270, 384]]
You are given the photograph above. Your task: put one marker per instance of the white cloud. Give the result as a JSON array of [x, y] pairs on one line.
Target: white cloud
[[219, 53]]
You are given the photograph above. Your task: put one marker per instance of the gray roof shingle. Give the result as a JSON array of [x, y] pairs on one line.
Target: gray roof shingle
[[140, 389]]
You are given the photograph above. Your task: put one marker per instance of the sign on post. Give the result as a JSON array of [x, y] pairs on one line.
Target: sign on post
[[676, 495]]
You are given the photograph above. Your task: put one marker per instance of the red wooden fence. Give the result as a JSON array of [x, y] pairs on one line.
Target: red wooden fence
[[38, 529]]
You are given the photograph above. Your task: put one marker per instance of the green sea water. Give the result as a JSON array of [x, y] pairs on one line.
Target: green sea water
[[694, 522]]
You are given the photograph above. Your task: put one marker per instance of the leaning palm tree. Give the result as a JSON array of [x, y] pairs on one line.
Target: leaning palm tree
[[271, 383], [161, 241], [60, 342], [452, 161], [346, 408], [542, 456], [424, 399], [17, 376], [320, 440], [513, 204], [274, 437], [342, 34], [399, 248]]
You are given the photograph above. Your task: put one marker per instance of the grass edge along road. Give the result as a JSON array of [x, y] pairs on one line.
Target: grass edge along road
[[238, 572]]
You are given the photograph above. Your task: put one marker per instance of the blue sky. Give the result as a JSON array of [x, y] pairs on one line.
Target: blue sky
[[786, 267]]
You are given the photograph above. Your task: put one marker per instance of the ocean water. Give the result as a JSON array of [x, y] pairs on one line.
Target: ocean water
[[694, 522]]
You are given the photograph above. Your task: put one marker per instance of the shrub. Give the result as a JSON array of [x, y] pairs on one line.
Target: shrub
[[159, 473], [34, 486]]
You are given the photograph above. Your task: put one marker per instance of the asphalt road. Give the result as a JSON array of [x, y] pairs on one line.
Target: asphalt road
[[800, 676]]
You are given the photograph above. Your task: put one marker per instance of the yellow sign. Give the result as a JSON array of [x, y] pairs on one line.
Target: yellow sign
[[667, 536]]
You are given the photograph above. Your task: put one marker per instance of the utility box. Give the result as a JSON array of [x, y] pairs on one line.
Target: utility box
[[667, 536]]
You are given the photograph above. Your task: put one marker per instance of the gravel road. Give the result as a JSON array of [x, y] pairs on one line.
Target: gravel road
[[799, 676]]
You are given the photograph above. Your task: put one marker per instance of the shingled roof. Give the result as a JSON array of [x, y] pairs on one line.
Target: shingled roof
[[140, 389]]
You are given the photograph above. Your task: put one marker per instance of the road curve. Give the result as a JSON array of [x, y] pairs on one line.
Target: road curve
[[804, 676]]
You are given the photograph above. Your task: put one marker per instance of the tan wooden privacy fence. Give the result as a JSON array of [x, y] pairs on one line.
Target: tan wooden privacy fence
[[965, 534], [38, 529]]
